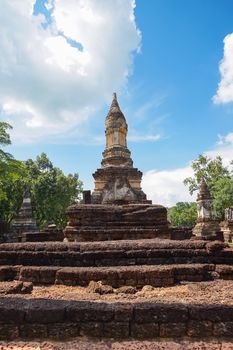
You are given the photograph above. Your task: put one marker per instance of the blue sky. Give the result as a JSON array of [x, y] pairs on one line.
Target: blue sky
[[166, 77]]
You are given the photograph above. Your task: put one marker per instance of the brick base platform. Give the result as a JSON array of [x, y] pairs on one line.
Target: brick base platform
[[115, 253], [88, 222], [60, 319], [138, 276], [118, 263]]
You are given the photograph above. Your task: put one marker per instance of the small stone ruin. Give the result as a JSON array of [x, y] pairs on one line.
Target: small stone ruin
[[227, 225], [207, 225], [24, 221]]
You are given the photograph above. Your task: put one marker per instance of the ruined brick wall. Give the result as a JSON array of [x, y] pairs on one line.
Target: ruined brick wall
[[181, 233], [115, 276], [117, 253], [60, 319]]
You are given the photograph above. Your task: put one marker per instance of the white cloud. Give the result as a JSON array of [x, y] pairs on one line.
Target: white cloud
[[142, 138], [48, 86], [224, 148], [225, 88], [166, 187], [49, 4]]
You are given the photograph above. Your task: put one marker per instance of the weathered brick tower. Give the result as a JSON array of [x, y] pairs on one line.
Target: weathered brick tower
[[117, 208], [117, 182], [206, 225], [24, 221]]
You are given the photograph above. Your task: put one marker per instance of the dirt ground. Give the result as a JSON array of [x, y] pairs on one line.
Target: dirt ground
[[126, 345], [214, 292]]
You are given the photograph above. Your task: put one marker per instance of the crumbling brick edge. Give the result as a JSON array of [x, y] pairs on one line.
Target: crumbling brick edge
[[62, 319]]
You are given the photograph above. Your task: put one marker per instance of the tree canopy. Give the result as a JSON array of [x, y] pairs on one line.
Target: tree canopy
[[183, 214], [10, 169], [219, 178], [52, 191]]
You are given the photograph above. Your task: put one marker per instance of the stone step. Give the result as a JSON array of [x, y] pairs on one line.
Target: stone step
[[62, 319], [106, 245], [116, 276], [114, 232], [115, 253]]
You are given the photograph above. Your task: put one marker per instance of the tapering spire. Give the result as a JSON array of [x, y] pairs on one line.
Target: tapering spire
[[117, 180], [204, 192], [116, 152], [115, 117], [114, 106]]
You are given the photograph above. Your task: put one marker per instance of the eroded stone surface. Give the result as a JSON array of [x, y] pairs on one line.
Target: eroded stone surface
[[116, 222], [99, 287], [15, 287]]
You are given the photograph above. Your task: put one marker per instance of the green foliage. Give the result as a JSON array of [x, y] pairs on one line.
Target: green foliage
[[10, 169], [211, 169], [223, 195], [52, 191], [183, 214], [11, 201], [219, 179], [4, 135]]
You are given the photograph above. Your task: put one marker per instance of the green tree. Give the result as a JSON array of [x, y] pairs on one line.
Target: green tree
[[183, 214], [223, 195], [211, 169], [219, 179], [52, 191], [8, 165], [11, 171]]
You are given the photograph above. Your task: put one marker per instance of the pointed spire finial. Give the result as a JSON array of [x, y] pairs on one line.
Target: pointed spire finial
[[204, 192], [114, 108], [114, 101], [115, 117]]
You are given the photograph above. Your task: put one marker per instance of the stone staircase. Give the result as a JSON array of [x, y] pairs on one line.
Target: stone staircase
[[117, 276], [155, 262]]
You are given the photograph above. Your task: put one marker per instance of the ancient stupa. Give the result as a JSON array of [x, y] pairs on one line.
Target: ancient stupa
[[117, 208], [117, 182], [206, 225], [24, 222]]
